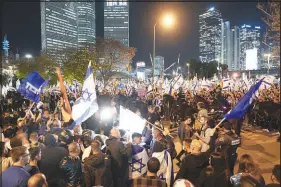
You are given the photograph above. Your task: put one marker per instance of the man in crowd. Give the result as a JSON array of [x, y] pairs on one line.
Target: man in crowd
[[151, 179], [275, 177], [97, 167], [193, 163], [50, 160], [38, 180], [16, 175], [119, 154], [205, 135]]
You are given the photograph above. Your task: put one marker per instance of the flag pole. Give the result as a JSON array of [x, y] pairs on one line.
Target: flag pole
[[219, 123]]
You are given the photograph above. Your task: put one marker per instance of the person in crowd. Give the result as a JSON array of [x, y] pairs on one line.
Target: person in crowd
[[97, 167], [37, 180], [205, 135], [16, 175], [161, 140], [34, 141], [193, 163], [35, 157], [5, 161], [183, 183], [49, 164], [71, 165], [227, 144], [151, 179], [137, 138], [185, 151], [214, 175], [249, 169], [275, 177], [119, 157]]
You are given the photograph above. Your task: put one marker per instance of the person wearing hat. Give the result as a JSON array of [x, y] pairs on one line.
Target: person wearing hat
[[161, 140]]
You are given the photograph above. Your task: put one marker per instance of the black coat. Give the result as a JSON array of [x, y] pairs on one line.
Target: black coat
[[72, 170], [119, 157]]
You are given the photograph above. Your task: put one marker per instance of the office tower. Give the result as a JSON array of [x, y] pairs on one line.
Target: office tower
[[250, 42], [66, 25], [116, 20], [86, 23], [5, 46], [226, 44], [210, 40], [159, 66], [235, 48]]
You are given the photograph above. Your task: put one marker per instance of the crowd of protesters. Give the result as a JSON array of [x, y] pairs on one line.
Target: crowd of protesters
[[38, 149]]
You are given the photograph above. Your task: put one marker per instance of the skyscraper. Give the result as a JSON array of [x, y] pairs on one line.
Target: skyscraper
[[116, 20], [64, 25], [235, 48], [210, 40], [226, 44], [250, 42], [86, 23]]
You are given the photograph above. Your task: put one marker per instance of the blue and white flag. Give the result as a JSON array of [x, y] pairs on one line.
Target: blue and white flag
[[85, 106], [32, 86], [240, 108], [166, 170], [137, 162], [149, 90]]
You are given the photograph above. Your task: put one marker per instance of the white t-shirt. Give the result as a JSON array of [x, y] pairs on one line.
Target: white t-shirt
[[207, 136]]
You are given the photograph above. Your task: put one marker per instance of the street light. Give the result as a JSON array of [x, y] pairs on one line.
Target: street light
[[28, 56], [268, 56], [168, 21]]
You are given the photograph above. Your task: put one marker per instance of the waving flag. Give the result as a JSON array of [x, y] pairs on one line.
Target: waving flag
[[85, 106], [165, 171], [240, 108], [32, 86], [137, 162], [149, 90]]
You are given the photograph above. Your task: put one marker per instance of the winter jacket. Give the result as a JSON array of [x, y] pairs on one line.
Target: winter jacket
[[97, 170], [72, 170]]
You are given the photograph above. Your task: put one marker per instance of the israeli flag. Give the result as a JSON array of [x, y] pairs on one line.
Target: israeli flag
[[137, 162], [240, 108], [149, 90], [85, 106], [166, 170]]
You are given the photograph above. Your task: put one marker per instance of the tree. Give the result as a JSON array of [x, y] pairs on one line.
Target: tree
[[271, 11], [107, 56], [43, 64]]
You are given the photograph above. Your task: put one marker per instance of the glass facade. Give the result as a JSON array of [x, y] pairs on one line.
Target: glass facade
[[86, 23], [63, 24], [116, 20], [226, 47], [250, 38], [210, 39], [235, 48]]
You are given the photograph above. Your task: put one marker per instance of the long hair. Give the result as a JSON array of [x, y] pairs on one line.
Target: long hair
[[246, 164]]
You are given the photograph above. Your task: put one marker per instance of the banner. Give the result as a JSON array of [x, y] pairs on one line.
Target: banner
[[30, 86]]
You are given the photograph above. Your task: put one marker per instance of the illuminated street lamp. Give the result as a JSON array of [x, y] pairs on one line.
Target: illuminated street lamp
[[28, 56], [167, 21], [268, 66]]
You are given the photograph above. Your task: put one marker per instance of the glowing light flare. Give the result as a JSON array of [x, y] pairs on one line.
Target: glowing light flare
[[106, 114], [168, 20], [28, 56]]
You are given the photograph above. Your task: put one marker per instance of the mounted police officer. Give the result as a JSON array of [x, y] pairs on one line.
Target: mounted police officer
[[227, 144]]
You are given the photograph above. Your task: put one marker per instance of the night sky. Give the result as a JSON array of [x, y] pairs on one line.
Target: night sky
[[21, 22]]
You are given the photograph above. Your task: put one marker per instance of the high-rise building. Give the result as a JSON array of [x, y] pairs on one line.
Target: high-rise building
[[210, 40], [159, 66], [66, 25], [86, 23], [250, 43], [235, 48], [116, 20], [226, 44]]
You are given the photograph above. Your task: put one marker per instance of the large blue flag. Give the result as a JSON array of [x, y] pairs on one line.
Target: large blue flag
[[32, 86], [240, 108], [85, 106]]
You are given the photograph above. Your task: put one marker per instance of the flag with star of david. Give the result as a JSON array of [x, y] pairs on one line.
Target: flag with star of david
[[85, 106], [165, 172], [137, 162]]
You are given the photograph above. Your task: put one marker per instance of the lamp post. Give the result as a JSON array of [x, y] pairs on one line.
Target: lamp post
[[187, 64], [268, 66], [28, 56], [168, 20]]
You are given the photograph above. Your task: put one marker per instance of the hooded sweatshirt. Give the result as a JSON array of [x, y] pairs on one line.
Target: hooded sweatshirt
[[191, 167]]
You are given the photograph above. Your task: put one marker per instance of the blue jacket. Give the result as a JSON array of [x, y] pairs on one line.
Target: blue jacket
[[15, 176]]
